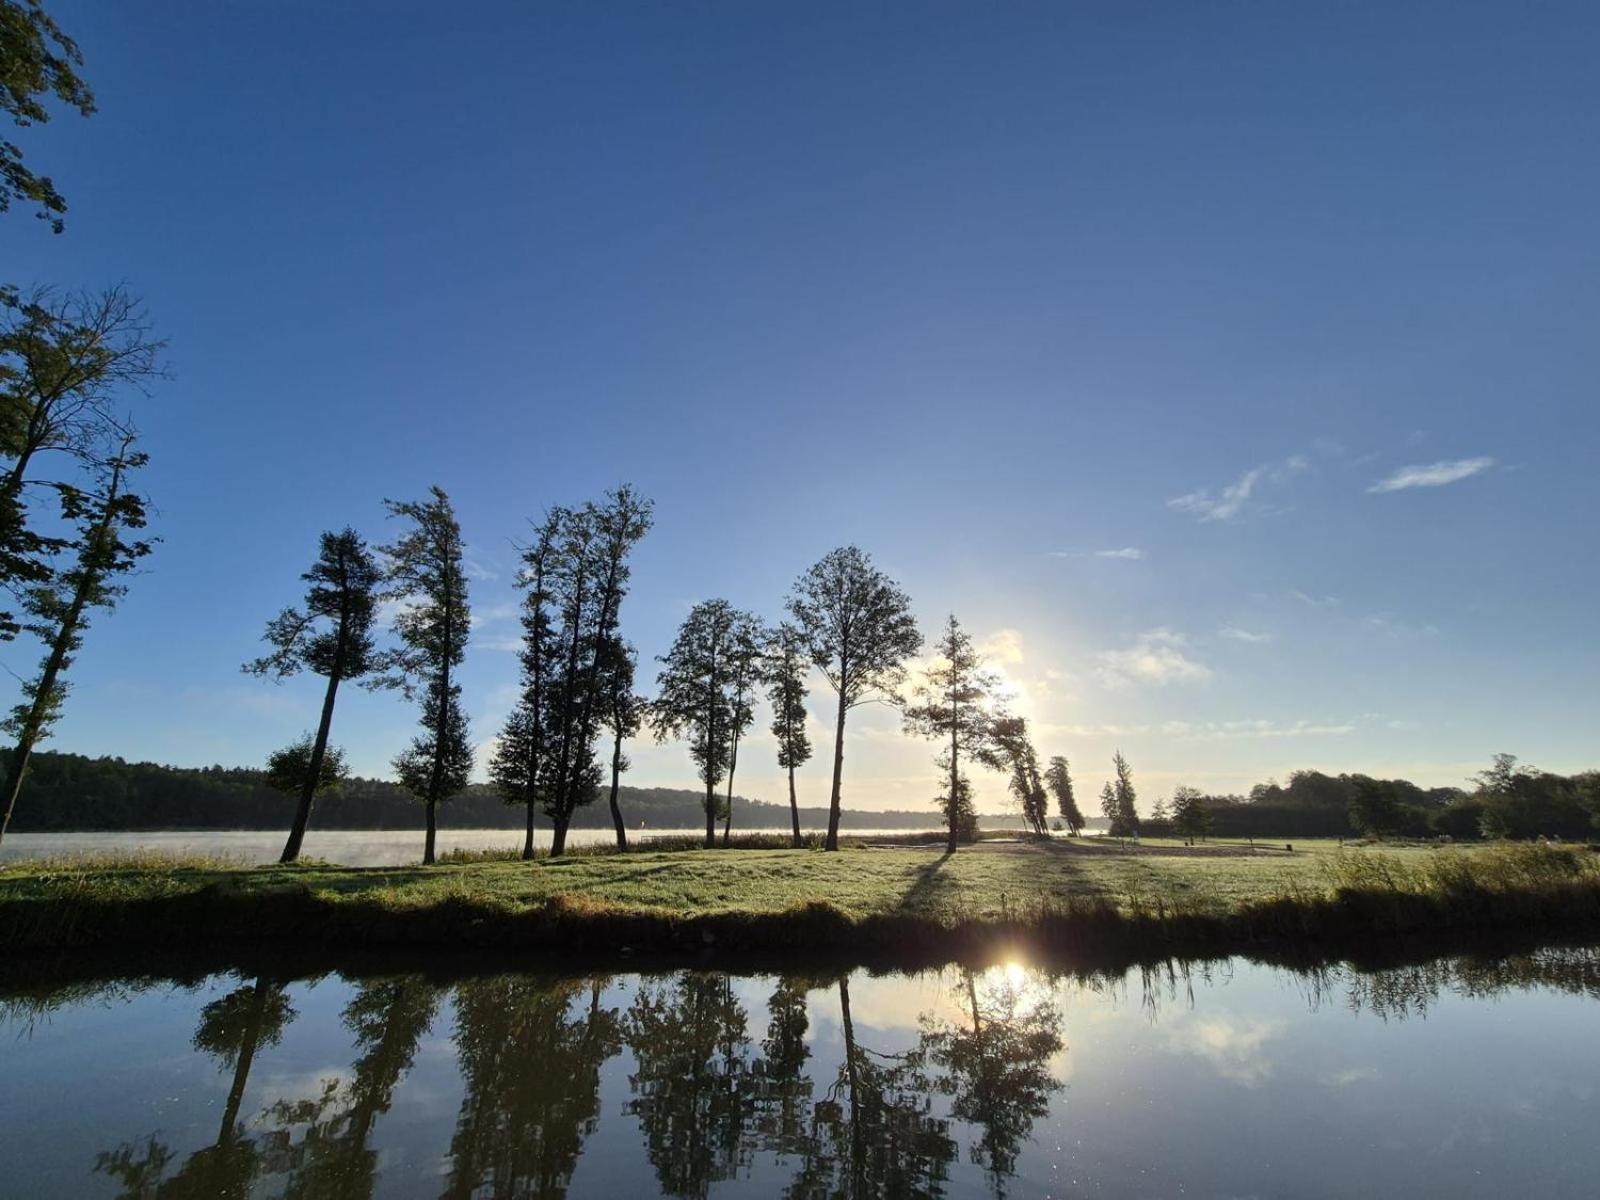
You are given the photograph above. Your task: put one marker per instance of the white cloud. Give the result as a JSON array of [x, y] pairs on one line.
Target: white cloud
[[1433, 474], [1131, 553], [1235, 634], [1003, 646], [1231, 500], [1156, 656], [1228, 731]]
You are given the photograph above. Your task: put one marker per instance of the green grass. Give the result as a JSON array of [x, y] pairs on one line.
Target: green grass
[[865, 898]]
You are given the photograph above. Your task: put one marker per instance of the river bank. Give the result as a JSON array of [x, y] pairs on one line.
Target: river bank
[[863, 903]]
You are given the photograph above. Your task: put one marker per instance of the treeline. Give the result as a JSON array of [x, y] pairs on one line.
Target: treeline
[[75, 792], [1509, 799]]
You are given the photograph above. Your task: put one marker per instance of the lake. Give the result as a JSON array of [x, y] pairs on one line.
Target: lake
[[1461, 1077], [350, 847]]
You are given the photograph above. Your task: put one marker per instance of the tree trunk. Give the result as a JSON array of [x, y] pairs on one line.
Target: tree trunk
[[308, 789], [711, 816], [857, 1157], [241, 1069], [794, 808], [527, 841], [838, 776], [441, 725], [733, 765], [28, 737], [616, 780], [954, 813], [558, 837], [427, 845]]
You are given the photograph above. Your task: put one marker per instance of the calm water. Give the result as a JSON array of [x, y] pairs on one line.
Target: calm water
[[352, 847], [1458, 1078]]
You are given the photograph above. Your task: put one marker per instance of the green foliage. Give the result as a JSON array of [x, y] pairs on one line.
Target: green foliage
[[1190, 816], [1118, 799], [38, 62], [1058, 778], [786, 692], [332, 635], [289, 768]]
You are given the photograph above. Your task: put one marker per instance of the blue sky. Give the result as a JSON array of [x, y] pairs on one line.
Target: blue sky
[[1101, 326]]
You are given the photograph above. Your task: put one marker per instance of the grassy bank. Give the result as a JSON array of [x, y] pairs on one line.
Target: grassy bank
[[864, 902]]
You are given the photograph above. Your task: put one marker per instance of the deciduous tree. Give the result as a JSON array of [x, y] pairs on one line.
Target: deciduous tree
[[786, 692], [858, 629], [38, 62], [102, 514]]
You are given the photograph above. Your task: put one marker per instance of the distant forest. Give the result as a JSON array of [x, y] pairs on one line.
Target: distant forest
[[76, 792]]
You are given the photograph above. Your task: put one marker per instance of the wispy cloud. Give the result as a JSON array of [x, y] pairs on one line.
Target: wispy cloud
[[1314, 601], [1232, 499], [1228, 731], [1157, 656], [1235, 634], [1433, 474], [1125, 553]]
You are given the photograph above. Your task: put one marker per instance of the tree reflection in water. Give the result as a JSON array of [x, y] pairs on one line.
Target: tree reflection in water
[[531, 1052], [331, 1158], [231, 1030]]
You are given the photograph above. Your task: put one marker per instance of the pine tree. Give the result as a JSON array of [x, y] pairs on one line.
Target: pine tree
[[959, 704], [858, 629], [515, 770], [786, 691], [427, 580], [1058, 778], [57, 612], [331, 637], [1011, 737], [1109, 808], [1126, 821]]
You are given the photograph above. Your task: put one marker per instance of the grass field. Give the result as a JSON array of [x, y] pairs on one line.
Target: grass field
[[877, 897]]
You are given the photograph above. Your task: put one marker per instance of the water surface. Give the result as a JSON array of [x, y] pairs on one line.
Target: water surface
[[1461, 1077]]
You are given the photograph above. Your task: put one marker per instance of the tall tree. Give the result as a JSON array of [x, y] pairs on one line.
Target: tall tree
[[1058, 778], [859, 631], [746, 666], [57, 612], [63, 359], [590, 578], [958, 702], [694, 693], [1125, 816], [517, 768], [621, 714], [38, 62], [427, 580], [786, 691], [1025, 784], [331, 637]]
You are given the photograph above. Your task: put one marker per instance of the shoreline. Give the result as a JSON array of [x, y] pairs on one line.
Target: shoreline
[[862, 905]]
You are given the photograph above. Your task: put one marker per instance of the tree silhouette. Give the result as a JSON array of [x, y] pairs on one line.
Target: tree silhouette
[[786, 691], [746, 667], [622, 712], [428, 581], [858, 629], [959, 703], [695, 694], [1058, 778], [332, 637], [58, 610], [40, 61]]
